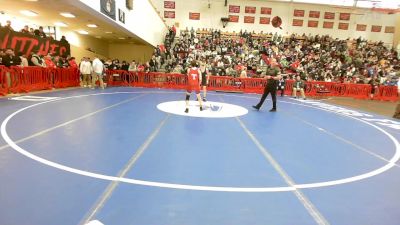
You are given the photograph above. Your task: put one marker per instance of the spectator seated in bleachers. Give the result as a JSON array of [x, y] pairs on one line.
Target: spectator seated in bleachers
[[298, 85]]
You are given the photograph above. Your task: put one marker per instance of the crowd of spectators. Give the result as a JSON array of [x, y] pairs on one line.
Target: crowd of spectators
[[27, 30], [8, 57], [247, 54], [314, 58]]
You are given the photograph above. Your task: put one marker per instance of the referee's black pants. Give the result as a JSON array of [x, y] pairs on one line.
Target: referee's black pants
[[268, 90]]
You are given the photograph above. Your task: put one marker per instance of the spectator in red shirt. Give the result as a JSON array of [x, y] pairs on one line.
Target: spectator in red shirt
[[140, 68], [49, 62], [174, 29], [72, 63]]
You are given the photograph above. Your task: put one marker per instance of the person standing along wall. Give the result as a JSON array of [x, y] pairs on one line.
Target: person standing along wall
[[86, 70], [98, 68]]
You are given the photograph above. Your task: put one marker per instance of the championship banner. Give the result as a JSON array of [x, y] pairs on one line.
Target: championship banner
[[194, 16], [328, 25], [250, 9], [266, 10], [233, 19], [314, 14], [375, 28], [234, 9], [297, 23], [389, 30], [361, 27], [107, 7], [343, 26], [169, 14], [265, 20], [298, 13], [329, 15], [27, 43], [249, 19], [313, 23], [169, 4], [344, 16]]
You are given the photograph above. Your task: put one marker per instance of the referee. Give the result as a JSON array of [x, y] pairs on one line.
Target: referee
[[272, 76]]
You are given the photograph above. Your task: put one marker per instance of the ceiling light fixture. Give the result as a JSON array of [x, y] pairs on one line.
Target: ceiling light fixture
[[121, 38], [67, 14], [92, 25], [60, 24], [83, 32], [28, 13], [109, 32]]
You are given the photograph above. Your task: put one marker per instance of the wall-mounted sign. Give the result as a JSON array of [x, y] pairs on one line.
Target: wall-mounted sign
[[389, 30], [250, 9], [265, 20], [107, 7], [233, 19], [313, 23], [249, 19], [314, 14], [343, 26], [344, 16], [129, 4], [266, 10], [298, 13], [194, 16], [361, 27], [169, 14], [329, 15], [121, 16], [234, 9], [297, 23], [327, 25], [169, 4], [375, 28]]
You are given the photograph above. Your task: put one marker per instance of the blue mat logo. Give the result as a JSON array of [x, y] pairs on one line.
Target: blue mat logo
[[210, 109], [360, 115], [216, 108]]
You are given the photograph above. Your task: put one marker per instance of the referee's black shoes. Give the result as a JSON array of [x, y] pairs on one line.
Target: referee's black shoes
[[256, 108]]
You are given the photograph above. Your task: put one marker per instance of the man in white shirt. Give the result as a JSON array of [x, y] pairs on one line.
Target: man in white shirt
[[98, 68], [86, 70]]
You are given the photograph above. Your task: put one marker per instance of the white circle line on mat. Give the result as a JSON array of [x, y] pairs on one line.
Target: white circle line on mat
[[24, 152]]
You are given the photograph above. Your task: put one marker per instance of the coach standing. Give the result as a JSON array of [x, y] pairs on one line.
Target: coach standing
[[272, 83]]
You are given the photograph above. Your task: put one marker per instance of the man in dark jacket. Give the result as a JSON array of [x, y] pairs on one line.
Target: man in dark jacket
[[40, 32], [273, 76], [10, 59]]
